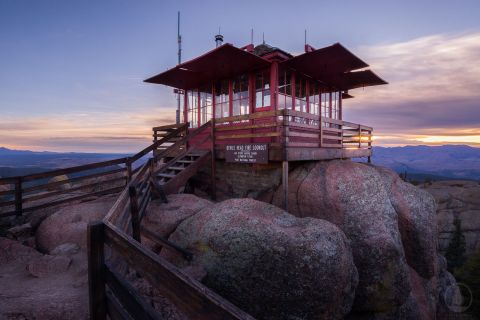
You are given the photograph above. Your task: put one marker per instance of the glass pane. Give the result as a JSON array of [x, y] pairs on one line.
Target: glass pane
[[258, 99]]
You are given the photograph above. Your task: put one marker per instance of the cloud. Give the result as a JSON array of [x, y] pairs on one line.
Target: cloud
[[95, 131], [433, 96], [434, 83]]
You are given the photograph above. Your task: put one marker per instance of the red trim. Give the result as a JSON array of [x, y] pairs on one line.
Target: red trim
[[274, 86], [307, 95], [330, 105], [185, 102], [213, 101], [293, 86], [230, 98], [198, 109], [340, 116], [251, 92]]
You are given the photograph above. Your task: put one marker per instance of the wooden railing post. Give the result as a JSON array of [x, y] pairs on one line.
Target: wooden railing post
[[128, 164], [320, 123], [359, 136], [186, 134], [18, 196], [96, 271], [286, 119], [341, 135], [213, 169], [132, 191]]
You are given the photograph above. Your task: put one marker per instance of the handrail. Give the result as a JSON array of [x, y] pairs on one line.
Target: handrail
[[157, 143], [189, 295], [20, 191], [182, 141]]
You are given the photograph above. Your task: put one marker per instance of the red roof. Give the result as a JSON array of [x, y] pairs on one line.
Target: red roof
[[223, 62], [333, 65]]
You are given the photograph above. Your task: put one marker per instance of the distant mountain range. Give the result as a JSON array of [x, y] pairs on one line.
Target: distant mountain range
[[431, 162], [419, 162], [22, 162]]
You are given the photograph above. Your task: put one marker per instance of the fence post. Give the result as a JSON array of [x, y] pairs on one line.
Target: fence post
[[18, 196], [214, 185], [96, 271], [359, 136], [186, 134], [320, 126], [128, 164], [132, 191]]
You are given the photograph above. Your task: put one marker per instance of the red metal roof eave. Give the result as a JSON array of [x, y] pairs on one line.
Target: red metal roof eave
[[212, 65], [359, 79], [333, 59]]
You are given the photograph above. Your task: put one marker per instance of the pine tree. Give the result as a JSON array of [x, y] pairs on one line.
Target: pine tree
[[469, 275], [455, 254]]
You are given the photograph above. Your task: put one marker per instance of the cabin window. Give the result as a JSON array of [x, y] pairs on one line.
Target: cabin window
[[192, 108], [205, 105], [314, 98], [222, 99], [300, 94], [325, 104], [335, 105], [262, 89], [284, 90], [240, 103]]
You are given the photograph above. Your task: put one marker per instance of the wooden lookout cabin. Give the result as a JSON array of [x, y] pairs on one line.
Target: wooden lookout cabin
[[261, 105]]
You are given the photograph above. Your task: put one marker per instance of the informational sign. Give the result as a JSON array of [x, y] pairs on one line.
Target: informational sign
[[247, 153]]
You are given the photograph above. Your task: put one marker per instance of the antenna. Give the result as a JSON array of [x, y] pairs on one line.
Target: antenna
[[179, 39], [263, 37], [218, 39], [179, 92], [251, 37], [305, 36]]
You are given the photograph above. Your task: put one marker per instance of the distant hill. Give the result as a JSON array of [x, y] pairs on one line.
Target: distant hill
[[420, 162], [23, 162], [431, 162]]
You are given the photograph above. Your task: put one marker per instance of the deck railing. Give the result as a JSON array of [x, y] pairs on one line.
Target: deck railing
[[291, 128]]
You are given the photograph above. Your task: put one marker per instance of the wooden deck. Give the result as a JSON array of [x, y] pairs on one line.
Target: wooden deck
[[291, 135]]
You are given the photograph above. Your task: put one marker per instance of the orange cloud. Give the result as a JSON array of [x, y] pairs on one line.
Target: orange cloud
[[87, 132]]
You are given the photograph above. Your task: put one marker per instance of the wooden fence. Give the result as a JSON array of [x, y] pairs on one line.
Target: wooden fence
[[41, 190], [120, 232]]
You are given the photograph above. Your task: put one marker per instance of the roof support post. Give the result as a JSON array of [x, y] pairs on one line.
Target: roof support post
[[274, 85], [285, 184]]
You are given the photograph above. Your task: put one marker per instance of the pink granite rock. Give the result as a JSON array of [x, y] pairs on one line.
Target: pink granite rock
[[268, 262], [69, 224], [391, 226]]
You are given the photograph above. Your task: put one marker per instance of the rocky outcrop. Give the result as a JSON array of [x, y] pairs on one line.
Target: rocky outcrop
[[63, 186], [457, 200], [268, 262], [163, 218], [37, 286], [69, 224], [391, 226]]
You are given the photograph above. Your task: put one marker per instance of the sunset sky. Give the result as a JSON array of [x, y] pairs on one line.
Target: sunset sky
[[71, 72]]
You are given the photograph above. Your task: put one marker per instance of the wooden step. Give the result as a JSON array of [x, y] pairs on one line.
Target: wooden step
[[166, 175], [185, 161], [176, 168]]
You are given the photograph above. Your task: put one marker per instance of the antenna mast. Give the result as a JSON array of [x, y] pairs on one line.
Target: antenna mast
[[179, 92]]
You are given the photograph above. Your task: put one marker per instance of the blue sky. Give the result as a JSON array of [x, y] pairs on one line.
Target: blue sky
[[71, 71]]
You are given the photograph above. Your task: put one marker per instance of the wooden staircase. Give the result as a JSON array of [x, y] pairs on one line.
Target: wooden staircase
[[175, 159], [180, 131], [173, 175]]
